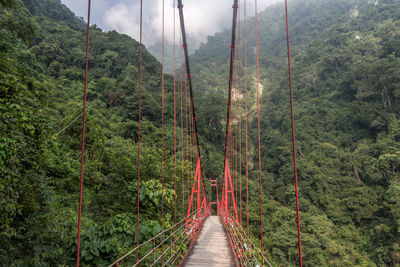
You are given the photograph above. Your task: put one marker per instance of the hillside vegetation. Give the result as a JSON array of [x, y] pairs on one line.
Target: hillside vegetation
[[42, 70], [346, 58], [346, 79]]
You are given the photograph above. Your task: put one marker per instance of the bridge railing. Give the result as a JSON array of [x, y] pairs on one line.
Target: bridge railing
[[169, 247], [246, 252]]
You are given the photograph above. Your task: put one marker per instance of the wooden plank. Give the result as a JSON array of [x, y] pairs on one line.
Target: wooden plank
[[212, 247]]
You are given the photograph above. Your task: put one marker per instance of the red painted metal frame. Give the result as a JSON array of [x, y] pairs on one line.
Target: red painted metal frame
[[228, 190], [194, 221], [196, 189], [214, 183]]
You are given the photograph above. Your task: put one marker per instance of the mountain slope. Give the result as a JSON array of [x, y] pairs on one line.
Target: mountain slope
[[346, 80], [346, 76], [42, 73]]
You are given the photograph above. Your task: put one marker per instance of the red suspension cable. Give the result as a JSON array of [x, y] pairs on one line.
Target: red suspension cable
[[174, 116], [258, 126], [190, 146], [139, 135], [236, 145], [293, 135], [187, 139], [234, 173], [162, 123], [190, 176], [182, 137], [83, 137], [245, 92], [240, 129]]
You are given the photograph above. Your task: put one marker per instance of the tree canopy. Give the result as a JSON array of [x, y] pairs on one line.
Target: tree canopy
[[347, 105]]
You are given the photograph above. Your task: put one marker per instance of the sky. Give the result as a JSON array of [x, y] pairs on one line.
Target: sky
[[202, 18]]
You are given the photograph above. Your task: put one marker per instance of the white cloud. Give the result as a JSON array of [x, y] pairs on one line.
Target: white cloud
[[202, 18]]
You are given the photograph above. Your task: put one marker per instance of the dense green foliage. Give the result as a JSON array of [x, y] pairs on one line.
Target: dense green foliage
[[346, 80], [42, 69]]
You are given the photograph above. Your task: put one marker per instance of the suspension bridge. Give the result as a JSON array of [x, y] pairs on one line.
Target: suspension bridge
[[214, 231]]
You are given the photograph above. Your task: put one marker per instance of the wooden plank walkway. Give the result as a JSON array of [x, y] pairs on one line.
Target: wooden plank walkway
[[212, 247]]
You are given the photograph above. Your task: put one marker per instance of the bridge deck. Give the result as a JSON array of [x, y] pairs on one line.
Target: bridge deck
[[212, 247]]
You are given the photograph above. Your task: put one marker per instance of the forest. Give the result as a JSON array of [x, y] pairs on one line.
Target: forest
[[346, 58]]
